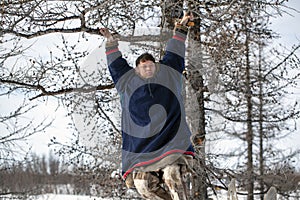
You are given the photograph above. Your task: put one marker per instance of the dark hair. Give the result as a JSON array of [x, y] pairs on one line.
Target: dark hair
[[143, 58]]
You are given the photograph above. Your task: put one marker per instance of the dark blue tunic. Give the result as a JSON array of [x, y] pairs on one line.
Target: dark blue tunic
[[153, 116]]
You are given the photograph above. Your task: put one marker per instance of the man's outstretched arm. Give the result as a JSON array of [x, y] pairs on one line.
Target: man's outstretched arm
[[175, 50], [117, 65]]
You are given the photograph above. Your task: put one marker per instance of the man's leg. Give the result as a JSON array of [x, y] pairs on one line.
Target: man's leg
[[173, 179], [147, 184]]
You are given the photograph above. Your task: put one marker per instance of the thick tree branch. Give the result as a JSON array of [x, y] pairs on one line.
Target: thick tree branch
[[44, 92]]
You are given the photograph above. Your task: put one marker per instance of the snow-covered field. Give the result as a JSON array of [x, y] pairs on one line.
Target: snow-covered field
[[81, 197], [220, 196]]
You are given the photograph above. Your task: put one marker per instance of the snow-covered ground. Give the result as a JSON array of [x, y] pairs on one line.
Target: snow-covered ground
[[221, 195], [82, 197]]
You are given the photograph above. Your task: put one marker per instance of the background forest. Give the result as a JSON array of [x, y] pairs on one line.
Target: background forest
[[241, 94]]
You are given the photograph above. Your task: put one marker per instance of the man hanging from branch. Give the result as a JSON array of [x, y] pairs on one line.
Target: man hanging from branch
[[156, 148]]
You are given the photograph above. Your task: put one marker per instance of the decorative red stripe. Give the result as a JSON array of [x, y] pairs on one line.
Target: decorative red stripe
[[112, 51], [156, 159], [177, 37]]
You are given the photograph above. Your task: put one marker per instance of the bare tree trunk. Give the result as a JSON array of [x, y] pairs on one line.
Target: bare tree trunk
[[261, 132], [195, 78], [249, 136], [173, 9]]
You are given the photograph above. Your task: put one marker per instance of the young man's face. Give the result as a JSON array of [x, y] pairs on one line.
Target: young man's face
[[146, 69]]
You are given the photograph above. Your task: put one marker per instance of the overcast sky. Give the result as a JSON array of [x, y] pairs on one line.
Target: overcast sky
[[288, 26]]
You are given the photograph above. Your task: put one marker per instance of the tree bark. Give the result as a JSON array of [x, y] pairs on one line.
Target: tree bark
[[195, 79], [249, 136]]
